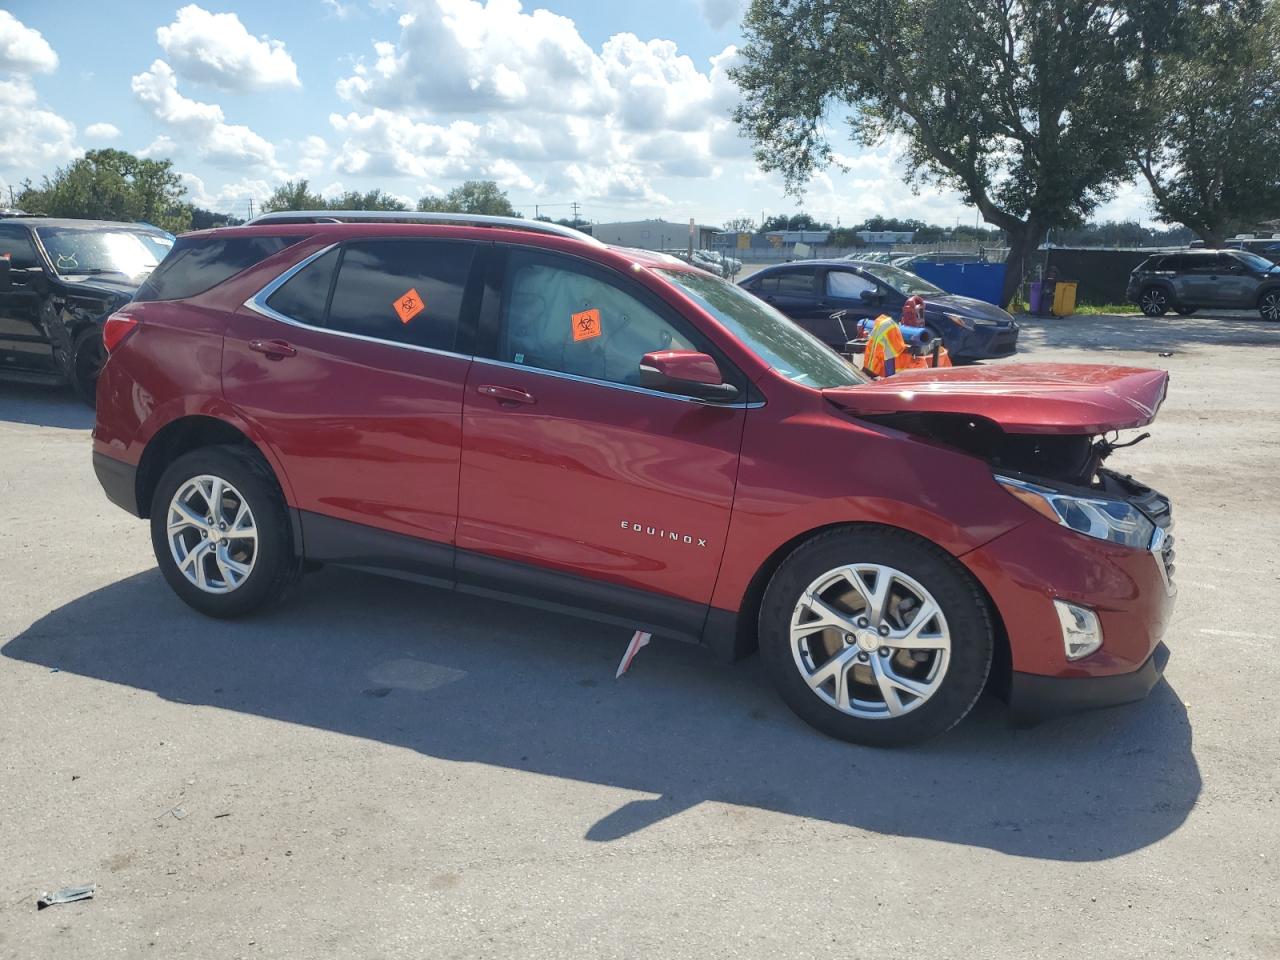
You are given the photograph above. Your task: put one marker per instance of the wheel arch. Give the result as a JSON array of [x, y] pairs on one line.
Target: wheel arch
[[179, 437], [735, 636]]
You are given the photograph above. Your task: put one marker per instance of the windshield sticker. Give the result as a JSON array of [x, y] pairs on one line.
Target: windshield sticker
[[409, 305], [586, 325]]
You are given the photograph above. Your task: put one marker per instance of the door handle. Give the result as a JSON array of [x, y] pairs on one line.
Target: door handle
[[274, 349], [506, 395]]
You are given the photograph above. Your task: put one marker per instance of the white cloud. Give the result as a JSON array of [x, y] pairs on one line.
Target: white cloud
[[102, 131], [722, 13], [339, 10], [23, 49], [215, 48], [201, 125], [34, 138], [231, 198]]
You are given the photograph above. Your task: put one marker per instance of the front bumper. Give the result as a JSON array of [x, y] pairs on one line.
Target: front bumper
[[1033, 697], [983, 343]]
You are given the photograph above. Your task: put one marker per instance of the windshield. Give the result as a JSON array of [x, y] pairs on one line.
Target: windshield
[[767, 333], [900, 280], [86, 250], [1255, 262]]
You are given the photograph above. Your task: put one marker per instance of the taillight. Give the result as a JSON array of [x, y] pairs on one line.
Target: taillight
[[116, 329]]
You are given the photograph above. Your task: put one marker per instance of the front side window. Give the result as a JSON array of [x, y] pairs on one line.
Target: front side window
[[778, 341], [566, 316], [848, 286], [402, 291], [17, 248]]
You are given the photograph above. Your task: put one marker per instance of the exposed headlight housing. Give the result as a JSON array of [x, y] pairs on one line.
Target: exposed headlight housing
[[1081, 631], [1115, 521], [959, 321]]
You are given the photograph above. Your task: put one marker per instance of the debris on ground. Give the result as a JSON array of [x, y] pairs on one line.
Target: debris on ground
[[66, 895], [638, 640], [1168, 353]]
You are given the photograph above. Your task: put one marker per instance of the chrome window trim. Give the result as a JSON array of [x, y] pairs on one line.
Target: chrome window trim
[[629, 388], [258, 304]]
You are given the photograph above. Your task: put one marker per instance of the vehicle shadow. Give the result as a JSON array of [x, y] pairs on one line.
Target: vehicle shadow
[[466, 679], [1136, 333], [43, 405]]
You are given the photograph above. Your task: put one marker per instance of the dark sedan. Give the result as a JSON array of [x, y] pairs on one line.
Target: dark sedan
[[810, 291]]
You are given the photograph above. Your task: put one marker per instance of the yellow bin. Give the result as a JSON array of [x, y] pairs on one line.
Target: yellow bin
[[1064, 299]]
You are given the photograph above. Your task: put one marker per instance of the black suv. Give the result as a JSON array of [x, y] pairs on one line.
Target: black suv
[[59, 279], [1190, 281]]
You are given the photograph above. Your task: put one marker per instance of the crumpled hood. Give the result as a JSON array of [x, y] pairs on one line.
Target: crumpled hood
[[1038, 398], [935, 306]]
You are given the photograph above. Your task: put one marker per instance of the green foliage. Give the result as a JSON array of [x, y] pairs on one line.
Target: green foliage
[[372, 200], [112, 185], [202, 219], [1031, 109], [1212, 160], [293, 195], [474, 196], [740, 225]]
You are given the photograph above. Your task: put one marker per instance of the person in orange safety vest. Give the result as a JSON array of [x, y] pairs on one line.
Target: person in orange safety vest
[[887, 351]]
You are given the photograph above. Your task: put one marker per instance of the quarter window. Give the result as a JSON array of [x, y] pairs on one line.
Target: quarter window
[[402, 291], [569, 317], [305, 296]]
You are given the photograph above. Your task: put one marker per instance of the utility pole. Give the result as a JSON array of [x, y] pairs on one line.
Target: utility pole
[[575, 212], [251, 208]]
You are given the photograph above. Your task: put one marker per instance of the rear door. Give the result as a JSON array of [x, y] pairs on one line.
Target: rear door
[[353, 364], [579, 486], [1197, 281], [23, 342]]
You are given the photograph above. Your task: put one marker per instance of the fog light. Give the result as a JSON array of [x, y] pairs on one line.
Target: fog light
[[1081, 631]]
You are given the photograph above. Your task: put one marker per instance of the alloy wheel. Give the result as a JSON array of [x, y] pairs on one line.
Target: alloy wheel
[[212, 534], [870, 641], [1270, 306], [1154, 302]]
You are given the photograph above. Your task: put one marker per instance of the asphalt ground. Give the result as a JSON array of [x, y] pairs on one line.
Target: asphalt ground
[[377, 769]]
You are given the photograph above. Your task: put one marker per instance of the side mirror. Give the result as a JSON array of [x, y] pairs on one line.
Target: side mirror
[[685, 372], [871, 296], [6, 275]]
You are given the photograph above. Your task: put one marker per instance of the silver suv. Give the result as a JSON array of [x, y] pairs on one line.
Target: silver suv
[[1187, 282]]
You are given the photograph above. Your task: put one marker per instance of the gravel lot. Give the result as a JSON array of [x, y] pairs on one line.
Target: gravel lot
[[377, 769]]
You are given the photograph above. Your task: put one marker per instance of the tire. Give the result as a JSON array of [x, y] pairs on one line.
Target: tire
[[1154, 301], [1186, 311], [954, 677], [270, 559], [1269, 305], [87, 357]]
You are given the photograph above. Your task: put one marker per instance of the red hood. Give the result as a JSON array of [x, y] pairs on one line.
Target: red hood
[[1021, 397]]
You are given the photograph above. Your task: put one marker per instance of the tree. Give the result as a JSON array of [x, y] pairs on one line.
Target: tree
[[740, 225], [372, 200], [1213, 164], [293, 195], [1031, 109], [474, 196], [202, 219], [113, 185]]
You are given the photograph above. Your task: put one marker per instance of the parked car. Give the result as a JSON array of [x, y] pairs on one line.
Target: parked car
[[1268, 247], [59, 279], [909, 263], [508, 408], [811, 291], [1187, 282], [872, 257]]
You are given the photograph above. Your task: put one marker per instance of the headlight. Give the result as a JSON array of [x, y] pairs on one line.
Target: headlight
[[959, 321], [1113, 520]]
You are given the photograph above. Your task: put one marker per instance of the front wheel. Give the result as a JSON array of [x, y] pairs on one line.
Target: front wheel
[[875, 636], [1269, 305], [220, 531], [87, 357], [1154, 301]]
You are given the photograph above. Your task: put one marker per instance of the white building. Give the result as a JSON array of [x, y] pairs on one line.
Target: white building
[[653, 234]]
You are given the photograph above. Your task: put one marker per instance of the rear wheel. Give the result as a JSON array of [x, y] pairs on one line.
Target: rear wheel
[[875, 636], [1269, 305], [1154, 301], [220, 531], [87, 357]]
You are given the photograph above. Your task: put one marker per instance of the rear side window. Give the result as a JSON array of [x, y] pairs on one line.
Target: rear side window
[[197, 264], [796, 283], [403, 291]]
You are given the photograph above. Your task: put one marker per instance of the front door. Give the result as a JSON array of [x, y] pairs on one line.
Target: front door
[[354, 368], [23, 342], [579, 486]]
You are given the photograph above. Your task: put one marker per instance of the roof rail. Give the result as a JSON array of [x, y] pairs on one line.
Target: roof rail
[[405, 216]]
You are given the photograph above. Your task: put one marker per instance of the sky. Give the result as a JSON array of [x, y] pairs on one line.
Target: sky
[[623, 108]]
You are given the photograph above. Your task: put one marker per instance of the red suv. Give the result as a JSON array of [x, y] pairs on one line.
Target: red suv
[[515, 410]]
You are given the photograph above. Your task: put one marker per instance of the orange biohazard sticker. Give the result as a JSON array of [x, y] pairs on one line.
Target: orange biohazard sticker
[[409, 305], [586, 324]]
